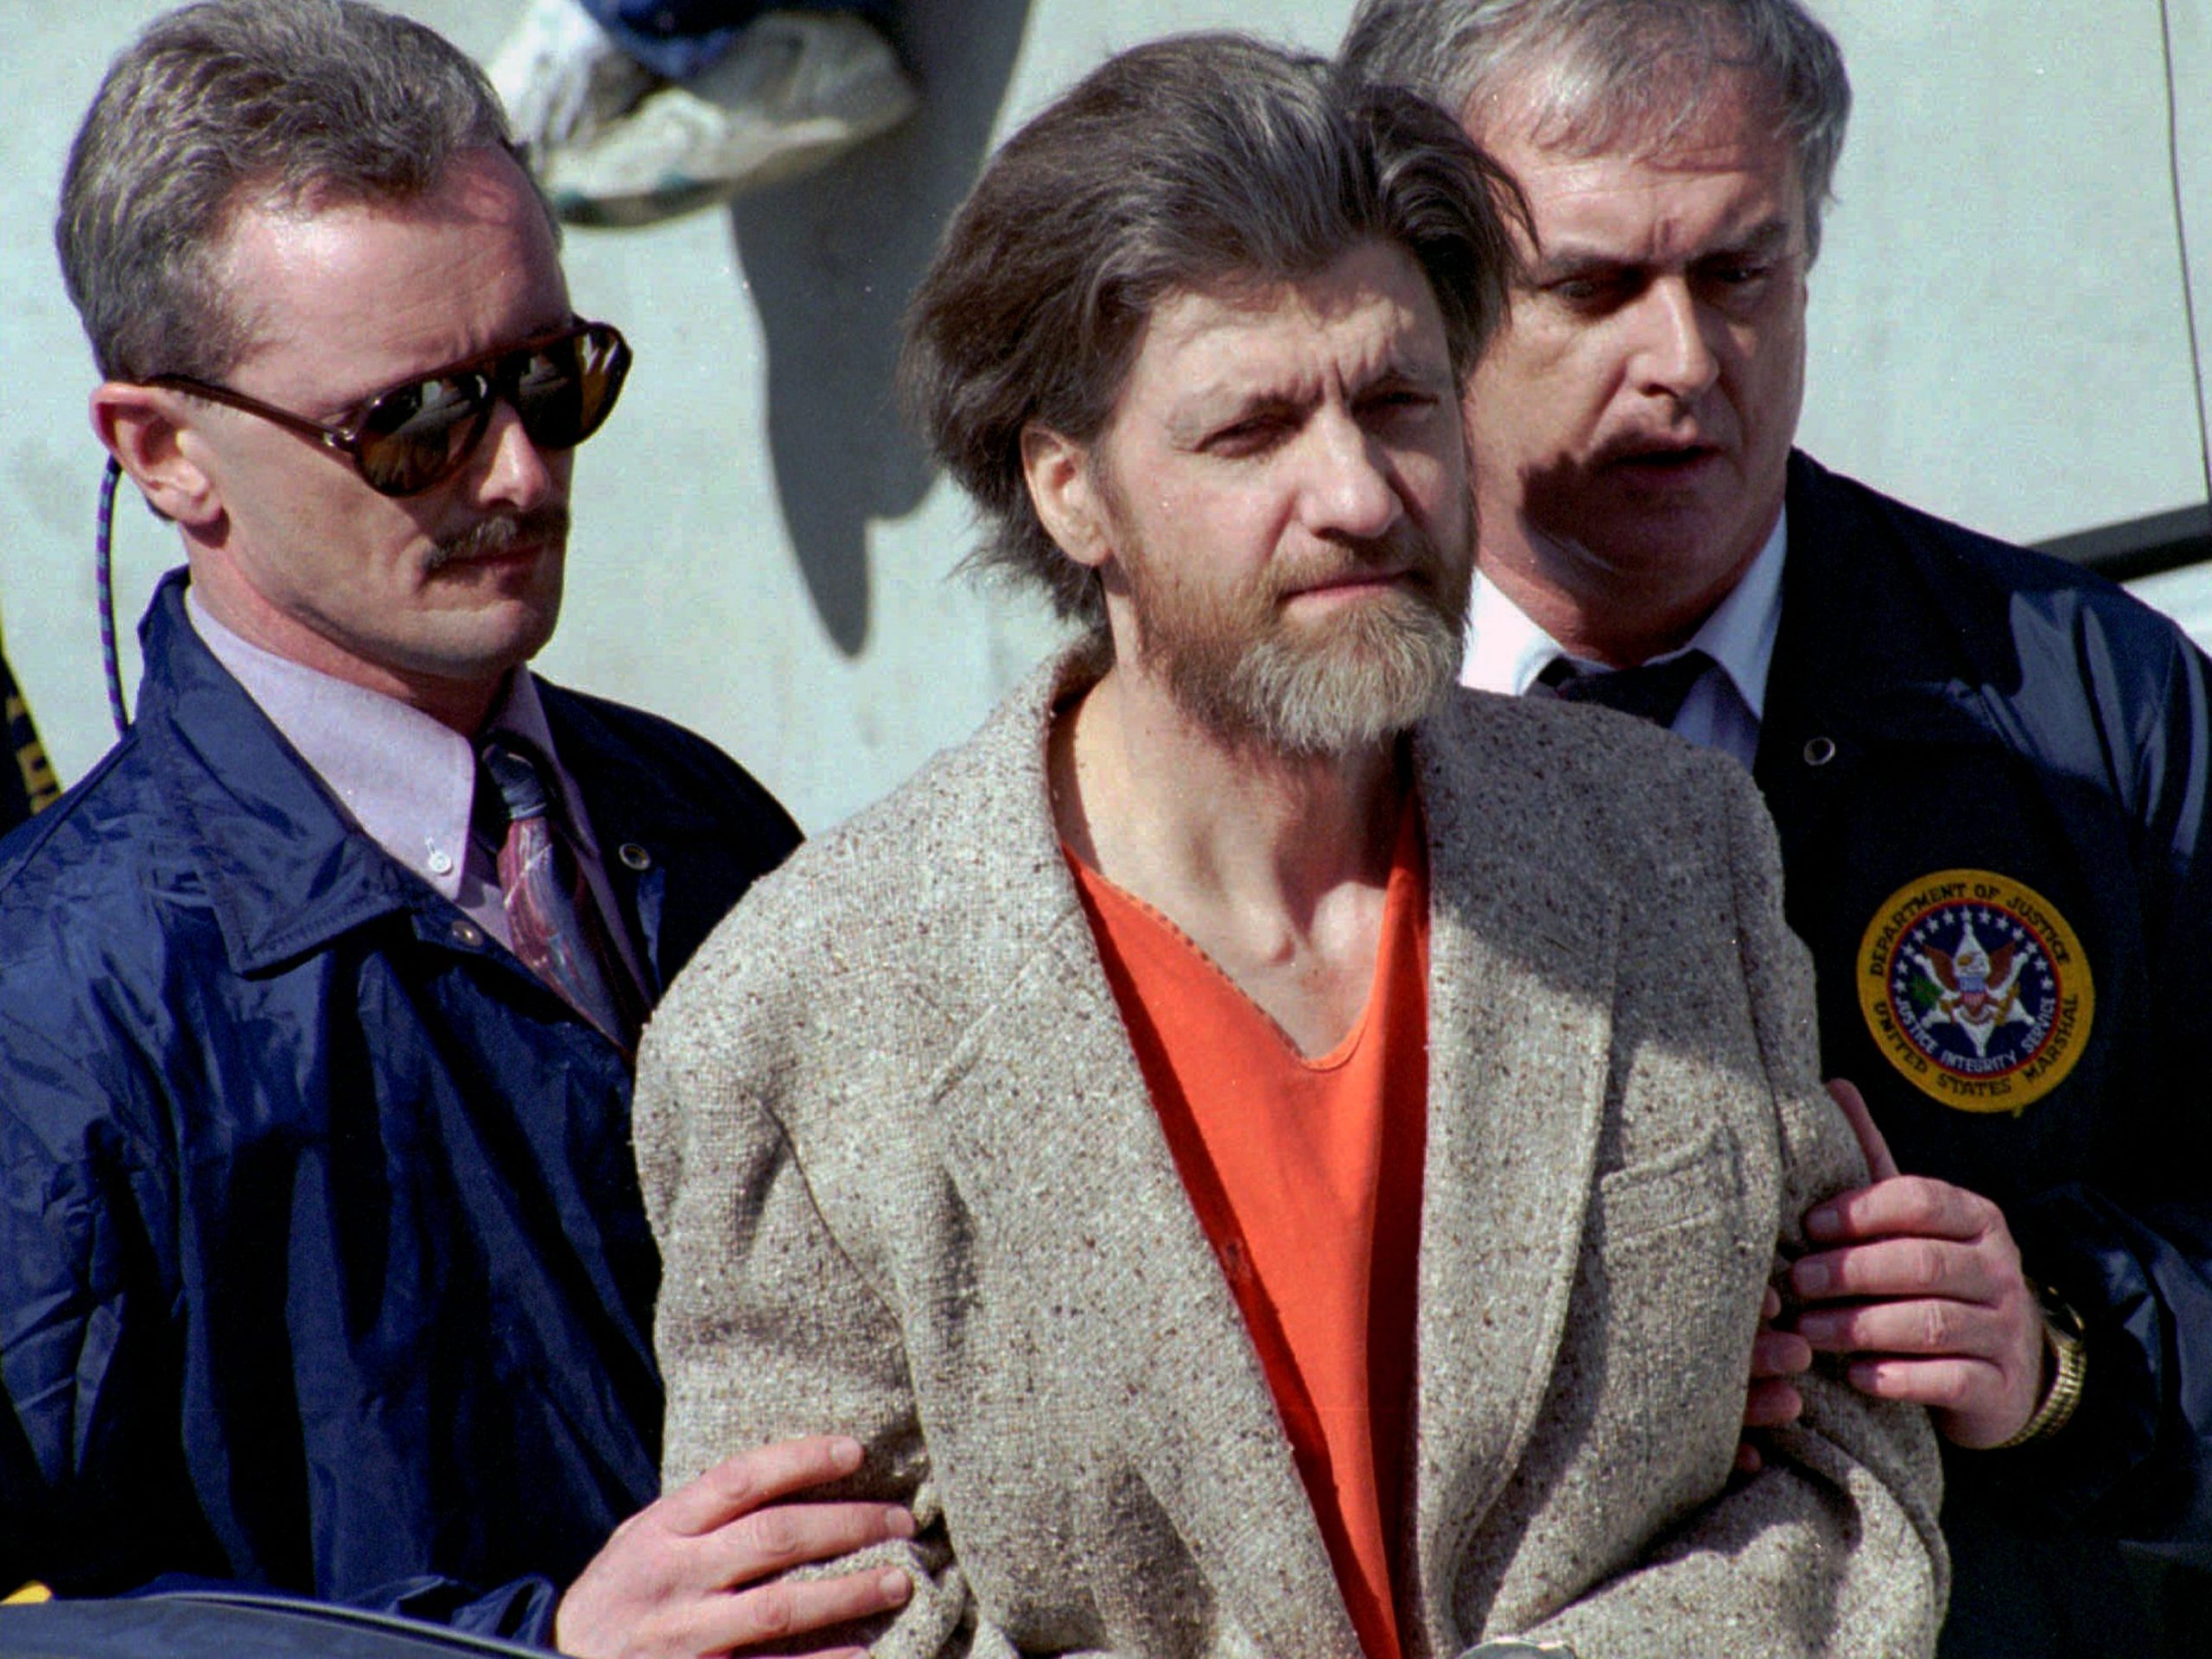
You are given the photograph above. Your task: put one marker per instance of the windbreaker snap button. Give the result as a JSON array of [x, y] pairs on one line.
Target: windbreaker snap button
[[1820, 752], [469, 933], [635, 856]]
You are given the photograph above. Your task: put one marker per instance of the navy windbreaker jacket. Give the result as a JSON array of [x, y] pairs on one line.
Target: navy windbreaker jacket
[[323, 1264], [1946, 712]]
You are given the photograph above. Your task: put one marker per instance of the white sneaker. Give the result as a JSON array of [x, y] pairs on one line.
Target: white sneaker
[[798, 89], [563, 77]]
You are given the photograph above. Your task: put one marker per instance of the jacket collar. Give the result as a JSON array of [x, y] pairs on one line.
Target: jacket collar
[[655, 840], [1865, 648], [285, 872], [1870, 655]]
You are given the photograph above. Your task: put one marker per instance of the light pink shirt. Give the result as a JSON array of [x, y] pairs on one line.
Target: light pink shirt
[[407, 782]]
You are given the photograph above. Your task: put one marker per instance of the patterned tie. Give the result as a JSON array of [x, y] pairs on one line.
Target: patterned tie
[[553, 920], [1653, 691]]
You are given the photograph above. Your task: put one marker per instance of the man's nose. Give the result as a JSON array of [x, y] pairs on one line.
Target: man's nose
[[1349, 487], [1673, 354], [514, 470]]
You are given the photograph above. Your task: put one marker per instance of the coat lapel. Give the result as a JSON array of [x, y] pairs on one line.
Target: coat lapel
[[284, 871], [678, 841], [1049, 1097], [1135, 1288], [1521, 939]]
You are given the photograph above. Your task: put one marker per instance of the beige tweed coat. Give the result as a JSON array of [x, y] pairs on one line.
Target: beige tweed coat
[[909, 1185]]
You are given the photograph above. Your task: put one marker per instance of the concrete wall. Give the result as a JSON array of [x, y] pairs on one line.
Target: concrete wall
[[1999, 323], [1999, 334]]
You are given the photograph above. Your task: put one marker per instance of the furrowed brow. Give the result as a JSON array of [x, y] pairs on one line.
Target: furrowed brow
[[1202, 414], [1768, 236], [1566, 260], [1560, 263]]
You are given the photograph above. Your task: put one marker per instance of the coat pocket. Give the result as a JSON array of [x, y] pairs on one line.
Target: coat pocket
[[1682, 1188], [1675, 1277]]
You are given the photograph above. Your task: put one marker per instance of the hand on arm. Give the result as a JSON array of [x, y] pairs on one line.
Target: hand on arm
[[1772, 1400], [1921, 1282], [683, 1577]]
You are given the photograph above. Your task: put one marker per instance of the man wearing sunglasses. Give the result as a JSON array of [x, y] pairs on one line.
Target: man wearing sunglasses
[[322, 1265]]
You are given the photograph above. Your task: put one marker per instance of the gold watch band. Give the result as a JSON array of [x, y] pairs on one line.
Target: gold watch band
[[2062, 1335]]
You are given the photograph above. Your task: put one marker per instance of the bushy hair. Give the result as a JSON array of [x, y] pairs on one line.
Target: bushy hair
[[1190, 163], [1597, 73], [227, 104]]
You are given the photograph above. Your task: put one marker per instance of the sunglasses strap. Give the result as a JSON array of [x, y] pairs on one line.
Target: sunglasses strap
[[104, 584]]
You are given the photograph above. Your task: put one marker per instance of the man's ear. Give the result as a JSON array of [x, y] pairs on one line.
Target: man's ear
[[144, 427], [1066, 493]]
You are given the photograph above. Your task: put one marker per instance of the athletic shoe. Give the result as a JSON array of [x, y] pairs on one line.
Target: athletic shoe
[[797, 89]]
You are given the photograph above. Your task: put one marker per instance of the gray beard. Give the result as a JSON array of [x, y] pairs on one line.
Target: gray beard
[[1371, 674], [1353, 681]]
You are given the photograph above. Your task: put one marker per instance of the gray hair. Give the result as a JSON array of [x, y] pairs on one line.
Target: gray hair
[[1199, 161], [231, 103], [1605, 72]]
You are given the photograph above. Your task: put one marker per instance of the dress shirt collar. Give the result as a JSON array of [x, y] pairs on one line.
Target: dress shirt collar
[[1506, 650], [406, 781]]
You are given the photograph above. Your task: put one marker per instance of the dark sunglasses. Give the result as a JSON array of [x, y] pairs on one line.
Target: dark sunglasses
[[563, 385]]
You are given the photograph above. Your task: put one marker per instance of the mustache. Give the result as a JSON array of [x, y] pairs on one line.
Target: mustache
[[501, 533], [1405, 549], [1432, 560]]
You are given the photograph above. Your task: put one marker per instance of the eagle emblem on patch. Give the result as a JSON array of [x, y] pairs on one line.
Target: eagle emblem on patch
[[1975, 989]]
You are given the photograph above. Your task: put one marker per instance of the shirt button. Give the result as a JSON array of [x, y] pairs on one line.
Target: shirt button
[[635, 856], [1820, 752], [440, 862], [468, 933]]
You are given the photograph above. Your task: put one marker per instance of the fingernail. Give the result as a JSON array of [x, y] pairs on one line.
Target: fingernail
[[1823, 1222], [845, 1454], [895, 1585], [899, 1524], [1812, 1278], [1818, 1327]]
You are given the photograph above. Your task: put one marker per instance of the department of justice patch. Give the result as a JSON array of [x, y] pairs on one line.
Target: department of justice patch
[[1976, 989]]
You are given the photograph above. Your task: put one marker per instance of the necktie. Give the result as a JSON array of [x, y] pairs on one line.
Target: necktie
[[553, 922], [1653, 691]]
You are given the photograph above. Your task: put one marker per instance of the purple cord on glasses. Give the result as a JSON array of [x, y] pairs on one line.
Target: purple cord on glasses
[[103, 573]]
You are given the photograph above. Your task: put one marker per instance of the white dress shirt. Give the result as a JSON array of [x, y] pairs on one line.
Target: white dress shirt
[[1506, 651]]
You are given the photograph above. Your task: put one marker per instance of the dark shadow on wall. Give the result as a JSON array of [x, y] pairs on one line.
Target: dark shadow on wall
[[831, 260]]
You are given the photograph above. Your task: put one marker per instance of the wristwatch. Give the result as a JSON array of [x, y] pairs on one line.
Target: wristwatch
[[2065, 1342]]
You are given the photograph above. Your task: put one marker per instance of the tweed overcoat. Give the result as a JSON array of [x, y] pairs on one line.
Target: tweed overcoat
[[909, 1185]]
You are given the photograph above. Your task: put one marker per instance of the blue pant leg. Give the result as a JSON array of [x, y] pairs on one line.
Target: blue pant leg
[[675, 39]]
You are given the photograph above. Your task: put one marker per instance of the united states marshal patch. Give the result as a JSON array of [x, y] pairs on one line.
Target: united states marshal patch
[[1976, 989]]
